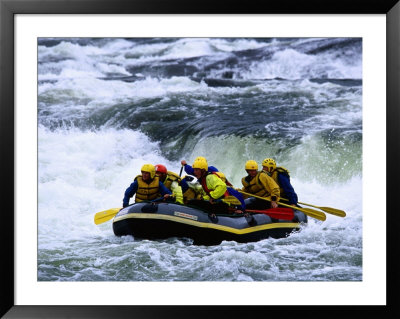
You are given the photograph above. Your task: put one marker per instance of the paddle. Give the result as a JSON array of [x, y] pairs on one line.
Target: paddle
[[180, 173], [102, 217], [308, 211], [278, 213], [329, 210]]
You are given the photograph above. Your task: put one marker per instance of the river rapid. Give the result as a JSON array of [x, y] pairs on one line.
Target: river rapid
[[106, 106]]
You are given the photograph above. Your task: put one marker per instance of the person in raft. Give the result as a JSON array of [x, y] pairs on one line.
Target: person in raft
[[211, 169], [281, 176], [217, 197], [147, 187], [260, 184], [172, 181]]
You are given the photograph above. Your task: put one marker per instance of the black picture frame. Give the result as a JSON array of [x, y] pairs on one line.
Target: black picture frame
[[8, 10]]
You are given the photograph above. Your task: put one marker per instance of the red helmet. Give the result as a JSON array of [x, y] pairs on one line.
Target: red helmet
[[161, 169]]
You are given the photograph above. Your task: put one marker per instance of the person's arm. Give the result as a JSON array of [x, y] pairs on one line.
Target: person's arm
[[163, 189], [189, 169], [288, 189], [129, 192], [239, 196]]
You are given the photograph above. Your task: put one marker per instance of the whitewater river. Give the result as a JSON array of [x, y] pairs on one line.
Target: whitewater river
[[107, 106]]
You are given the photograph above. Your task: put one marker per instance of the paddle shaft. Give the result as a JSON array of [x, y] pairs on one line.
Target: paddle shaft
[[308, 211], [180, 172]]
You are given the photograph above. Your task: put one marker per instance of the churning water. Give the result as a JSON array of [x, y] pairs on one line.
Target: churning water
[[106, 106]]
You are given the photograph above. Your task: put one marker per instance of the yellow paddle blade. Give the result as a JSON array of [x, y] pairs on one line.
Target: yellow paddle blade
[[102, 217], [330, 210], [334, 211]]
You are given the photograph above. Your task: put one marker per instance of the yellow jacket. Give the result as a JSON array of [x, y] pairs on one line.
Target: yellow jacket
[[176, 192], [217, 189], [261, 185], [275, 174], [213, 187]]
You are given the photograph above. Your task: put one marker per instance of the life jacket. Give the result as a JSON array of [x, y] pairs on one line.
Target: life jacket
[[275, 173], [147, 191], [203, 183], [193, 191], [176, 191], [189, 194], [223, 177], [254, 185], [171, 177]]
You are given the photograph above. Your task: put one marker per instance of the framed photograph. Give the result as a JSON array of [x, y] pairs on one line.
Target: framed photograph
[[95, 95]]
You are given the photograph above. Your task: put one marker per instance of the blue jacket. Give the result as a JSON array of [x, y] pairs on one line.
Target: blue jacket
[[131, 190], [290, 194]]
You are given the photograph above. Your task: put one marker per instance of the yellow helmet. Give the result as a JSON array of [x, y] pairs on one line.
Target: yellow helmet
[[200, 162], [150, 169], [269, 163], [251, 164]]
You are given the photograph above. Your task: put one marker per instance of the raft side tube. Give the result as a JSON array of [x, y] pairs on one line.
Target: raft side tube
[[174, 220]]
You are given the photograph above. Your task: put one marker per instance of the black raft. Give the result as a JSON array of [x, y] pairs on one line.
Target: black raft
[[164, 220]]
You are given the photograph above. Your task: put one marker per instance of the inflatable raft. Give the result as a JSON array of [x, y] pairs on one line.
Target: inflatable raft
[[165, 220]]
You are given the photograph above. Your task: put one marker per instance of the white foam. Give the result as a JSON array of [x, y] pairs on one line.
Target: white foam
[[291, 64], [83, 172]]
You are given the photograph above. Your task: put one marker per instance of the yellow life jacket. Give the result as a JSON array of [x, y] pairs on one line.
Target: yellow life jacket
[[254, 186], [147, 191], [223, 178], [171, 176], [275, 174], [190, 194], [176, 189], [193, 192]]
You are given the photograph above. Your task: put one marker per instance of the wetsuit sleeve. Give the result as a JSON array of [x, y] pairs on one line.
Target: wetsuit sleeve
[[129, 192], [239, 196], [189, 169], [288, 189], [163, 189]]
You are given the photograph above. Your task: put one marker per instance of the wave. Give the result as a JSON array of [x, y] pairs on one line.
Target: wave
[[202, 58]]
